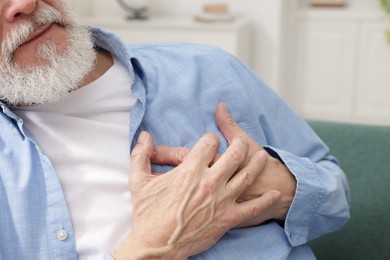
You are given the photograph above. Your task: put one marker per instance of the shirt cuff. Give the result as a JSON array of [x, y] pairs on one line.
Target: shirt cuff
[[309, 195]]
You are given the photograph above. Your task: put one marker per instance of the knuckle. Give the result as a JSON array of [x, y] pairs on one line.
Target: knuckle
[[211, 140], [237, 156], [256, 210], [167, 155], [229, 121], [208, 187], [181, 154], [134, 155], [139, 152], [247, 178]]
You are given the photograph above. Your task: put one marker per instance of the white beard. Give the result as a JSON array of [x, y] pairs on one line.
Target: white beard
[[62, 73]]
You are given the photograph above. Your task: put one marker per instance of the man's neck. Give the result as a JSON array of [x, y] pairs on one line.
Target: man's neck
[[104, 61]]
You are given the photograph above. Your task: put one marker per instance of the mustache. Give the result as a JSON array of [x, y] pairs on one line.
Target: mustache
[[18, 35]]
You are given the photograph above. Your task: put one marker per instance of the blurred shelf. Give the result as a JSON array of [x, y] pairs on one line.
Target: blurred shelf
[[233, 37]]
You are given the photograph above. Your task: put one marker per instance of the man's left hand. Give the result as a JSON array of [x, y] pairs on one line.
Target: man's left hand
[[274, 176]]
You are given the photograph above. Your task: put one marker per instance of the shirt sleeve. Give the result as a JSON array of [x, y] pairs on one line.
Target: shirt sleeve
[[321, 202]]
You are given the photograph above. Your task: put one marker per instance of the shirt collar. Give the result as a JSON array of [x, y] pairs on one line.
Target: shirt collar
[[113, 44]]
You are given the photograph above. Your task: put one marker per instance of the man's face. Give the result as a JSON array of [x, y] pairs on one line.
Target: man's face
[[45, 51], [16, 13]]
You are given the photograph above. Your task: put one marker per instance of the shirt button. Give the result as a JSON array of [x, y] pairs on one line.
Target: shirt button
[[62, 235]]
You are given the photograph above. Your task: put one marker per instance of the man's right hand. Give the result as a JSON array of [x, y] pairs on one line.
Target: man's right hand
[[185, 211]]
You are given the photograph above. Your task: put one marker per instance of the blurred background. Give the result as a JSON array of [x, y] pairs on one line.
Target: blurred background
[[329, 59]]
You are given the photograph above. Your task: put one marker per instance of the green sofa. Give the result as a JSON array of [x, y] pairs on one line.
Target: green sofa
[[364, 155]]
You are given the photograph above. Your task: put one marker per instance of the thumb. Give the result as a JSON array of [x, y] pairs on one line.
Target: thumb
[[227, 124], [140, 162]]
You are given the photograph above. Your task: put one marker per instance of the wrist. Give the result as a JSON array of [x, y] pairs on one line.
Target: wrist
[[135, 248]]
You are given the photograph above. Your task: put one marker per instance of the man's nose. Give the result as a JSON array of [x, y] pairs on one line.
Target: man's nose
[[19, 8]]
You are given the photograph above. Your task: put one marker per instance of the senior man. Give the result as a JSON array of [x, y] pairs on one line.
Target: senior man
[[75, 100]]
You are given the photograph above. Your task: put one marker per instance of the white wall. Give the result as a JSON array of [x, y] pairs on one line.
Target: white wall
[[266, 16]]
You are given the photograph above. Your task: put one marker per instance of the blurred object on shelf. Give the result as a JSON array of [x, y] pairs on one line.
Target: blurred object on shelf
[[215, 13], [216, 8], [137, 9], [328, 3]]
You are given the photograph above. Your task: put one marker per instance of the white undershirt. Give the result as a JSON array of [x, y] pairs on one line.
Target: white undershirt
[[86, 136]]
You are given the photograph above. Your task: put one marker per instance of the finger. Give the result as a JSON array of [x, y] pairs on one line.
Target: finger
[[254, 208], [169, 155], [217, 156], [227, 124], [241, 181], [230, 160], [204, 151], [140, 160], [230, 128]]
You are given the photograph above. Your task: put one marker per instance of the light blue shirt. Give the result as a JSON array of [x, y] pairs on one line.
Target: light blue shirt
[[178, 87]]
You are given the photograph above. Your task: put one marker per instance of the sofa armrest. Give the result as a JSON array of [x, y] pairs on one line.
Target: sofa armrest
[[364, 155]]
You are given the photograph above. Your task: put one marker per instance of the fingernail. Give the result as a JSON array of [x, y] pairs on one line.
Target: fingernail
[[276, 195], [224, 106], [183, 154], [212, 134], [262, 154]]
